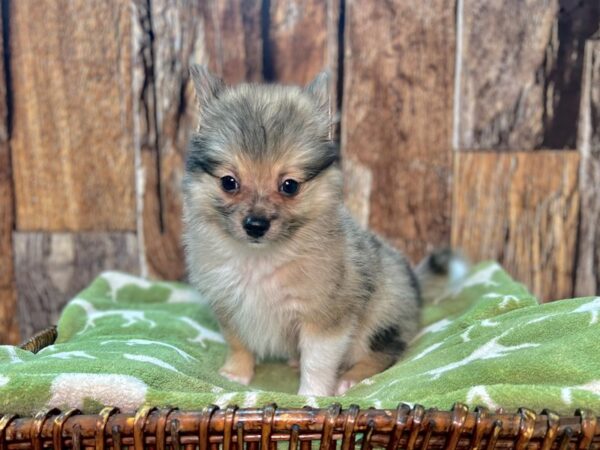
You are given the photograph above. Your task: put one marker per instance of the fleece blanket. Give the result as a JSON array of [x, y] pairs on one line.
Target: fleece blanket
[[125, 341]]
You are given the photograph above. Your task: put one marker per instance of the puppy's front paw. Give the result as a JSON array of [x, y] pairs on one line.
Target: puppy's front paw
[[242, 378], [344, 385], [239, 366]]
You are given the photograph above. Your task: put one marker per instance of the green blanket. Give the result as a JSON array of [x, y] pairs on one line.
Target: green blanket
[[125, 341]]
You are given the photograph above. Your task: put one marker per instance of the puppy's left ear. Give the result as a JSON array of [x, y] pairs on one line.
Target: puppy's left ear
[[318, 89]]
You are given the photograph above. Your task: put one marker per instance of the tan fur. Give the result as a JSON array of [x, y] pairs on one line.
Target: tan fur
[[239, 365]]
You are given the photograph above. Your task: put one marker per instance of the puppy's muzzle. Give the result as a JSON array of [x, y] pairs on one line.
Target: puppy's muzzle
[[256, 226]]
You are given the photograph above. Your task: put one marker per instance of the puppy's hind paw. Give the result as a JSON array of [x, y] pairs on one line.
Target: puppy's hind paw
[[343, 386], [236, 378]]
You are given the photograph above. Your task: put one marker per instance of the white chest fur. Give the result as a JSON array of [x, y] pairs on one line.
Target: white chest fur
[[260, 300]]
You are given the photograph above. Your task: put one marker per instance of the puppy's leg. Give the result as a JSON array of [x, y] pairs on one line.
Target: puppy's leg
[[239, 365], [321, 353], [294, 360], [368, 366]]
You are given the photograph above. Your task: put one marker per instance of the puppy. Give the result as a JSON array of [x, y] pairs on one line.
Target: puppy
[[270, 244]]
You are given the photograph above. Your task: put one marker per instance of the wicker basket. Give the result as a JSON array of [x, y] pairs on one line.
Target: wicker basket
[[270, 427]]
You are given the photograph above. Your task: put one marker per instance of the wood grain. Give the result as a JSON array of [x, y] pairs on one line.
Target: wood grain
[[168, 37], [9, 324], [9, 333], [302, 39], [397, 117], [6, 203], [575, 23], [587, 280], [520, 209], [70, 65], [233, 39], [519, 80], [51, 268], [6, 194]]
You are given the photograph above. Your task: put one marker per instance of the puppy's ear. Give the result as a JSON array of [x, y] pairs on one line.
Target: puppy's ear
[[208, 86], [318, 89]]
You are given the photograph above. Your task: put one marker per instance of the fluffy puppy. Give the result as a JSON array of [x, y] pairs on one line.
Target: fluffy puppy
[[270, 244]]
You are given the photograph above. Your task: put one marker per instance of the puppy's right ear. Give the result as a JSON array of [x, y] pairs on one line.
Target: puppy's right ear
[[208, 87]]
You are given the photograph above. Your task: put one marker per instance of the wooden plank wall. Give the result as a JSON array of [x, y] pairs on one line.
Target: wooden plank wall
[[518, 90], [9, 331], [166, 35], [529, 222], [53, 267], [519, 78], [461, 122], [71, 110], [72, 149], [397, 119], [588, 264]]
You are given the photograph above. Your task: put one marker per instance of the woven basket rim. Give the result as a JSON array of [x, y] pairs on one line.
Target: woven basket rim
[[212, 427], [40, 340]]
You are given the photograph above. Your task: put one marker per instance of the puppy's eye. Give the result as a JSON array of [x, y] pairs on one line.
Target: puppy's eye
[[229, 184], [289, 187]]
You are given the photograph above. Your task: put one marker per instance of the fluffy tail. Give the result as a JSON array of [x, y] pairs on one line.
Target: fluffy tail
[[439, 271]]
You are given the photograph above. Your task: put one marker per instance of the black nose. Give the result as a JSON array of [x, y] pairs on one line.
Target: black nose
[[256, 226]]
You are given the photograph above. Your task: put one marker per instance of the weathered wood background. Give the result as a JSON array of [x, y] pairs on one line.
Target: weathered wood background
[[461, 121]]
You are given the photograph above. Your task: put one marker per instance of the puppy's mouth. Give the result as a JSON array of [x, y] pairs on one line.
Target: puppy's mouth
[[255, 242]]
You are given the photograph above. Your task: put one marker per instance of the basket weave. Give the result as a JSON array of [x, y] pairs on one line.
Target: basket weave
[[270, 427], [40, 340]]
